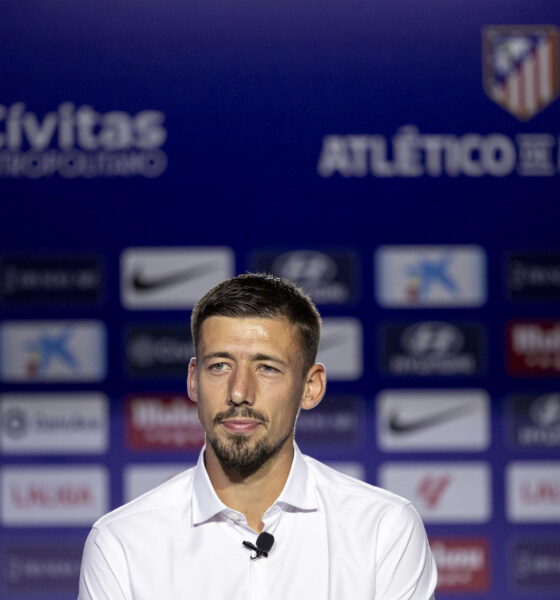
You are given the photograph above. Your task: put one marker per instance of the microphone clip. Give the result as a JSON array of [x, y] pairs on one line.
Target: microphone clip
[[258, 551], [264, 544]]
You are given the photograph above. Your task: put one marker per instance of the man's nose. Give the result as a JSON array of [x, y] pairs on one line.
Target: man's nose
[[241, 388]]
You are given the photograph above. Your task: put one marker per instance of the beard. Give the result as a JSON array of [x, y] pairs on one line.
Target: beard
[[238, 452]]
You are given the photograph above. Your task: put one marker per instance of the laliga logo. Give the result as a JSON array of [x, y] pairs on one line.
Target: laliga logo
[[53, 496], [80, 142]]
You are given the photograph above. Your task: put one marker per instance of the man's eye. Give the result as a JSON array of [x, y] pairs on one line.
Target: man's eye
[[218, 366], [268, 369]]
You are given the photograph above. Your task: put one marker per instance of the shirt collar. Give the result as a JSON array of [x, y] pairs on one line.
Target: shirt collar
[[298, 493]]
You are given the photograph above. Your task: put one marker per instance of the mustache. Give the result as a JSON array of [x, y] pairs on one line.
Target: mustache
[[239, 412]]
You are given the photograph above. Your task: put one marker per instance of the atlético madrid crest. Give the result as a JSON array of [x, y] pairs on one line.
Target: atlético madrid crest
[[521, 67]]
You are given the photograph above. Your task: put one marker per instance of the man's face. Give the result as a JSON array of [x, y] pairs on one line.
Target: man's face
[[249, 385]]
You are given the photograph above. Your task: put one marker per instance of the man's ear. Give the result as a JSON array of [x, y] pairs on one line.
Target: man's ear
[[315, 386], [191, 381]]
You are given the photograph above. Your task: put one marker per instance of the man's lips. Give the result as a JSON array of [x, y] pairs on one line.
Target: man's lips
[[240, 425]]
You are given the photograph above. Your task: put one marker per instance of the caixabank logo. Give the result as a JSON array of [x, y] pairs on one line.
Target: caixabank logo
[[52, 351], [79, 141], [444, 276]]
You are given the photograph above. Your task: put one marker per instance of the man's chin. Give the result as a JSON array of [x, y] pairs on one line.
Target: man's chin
[[242, 453]]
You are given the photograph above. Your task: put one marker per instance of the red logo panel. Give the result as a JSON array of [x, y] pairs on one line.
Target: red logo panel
[[533, 347], [162, 422], [463, 564]]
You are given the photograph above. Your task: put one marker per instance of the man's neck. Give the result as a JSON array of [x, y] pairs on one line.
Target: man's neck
[[250, 495]]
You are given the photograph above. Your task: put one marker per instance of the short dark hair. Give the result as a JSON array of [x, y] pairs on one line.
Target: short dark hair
[[262, 295]]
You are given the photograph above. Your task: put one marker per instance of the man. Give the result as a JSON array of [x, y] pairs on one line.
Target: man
[[197, 536]]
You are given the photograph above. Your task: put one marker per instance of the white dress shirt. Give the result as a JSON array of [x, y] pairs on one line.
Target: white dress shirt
[[336, 538]]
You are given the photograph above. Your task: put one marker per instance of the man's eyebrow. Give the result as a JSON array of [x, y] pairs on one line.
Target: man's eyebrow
[[268, 357], [253, 357], [218, 354]]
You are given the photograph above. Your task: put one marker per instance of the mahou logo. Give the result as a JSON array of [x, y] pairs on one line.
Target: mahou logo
[[56, 496], [73, 141], [533, 347], [462, 563], [162, 422]]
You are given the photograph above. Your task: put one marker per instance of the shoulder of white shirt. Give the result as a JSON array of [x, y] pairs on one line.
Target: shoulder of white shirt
[[166, 495], [336, 482], [174, 491]]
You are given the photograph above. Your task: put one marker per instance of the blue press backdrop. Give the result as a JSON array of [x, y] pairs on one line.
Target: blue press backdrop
[[347, 129]]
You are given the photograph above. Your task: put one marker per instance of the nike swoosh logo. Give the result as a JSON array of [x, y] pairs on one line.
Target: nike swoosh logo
[[398, 426], [142, 284]]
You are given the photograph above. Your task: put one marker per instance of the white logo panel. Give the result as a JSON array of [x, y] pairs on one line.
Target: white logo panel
[[53, 496], [52, 351], [433, 420], [139, 479], [174, 278], [421, 276], [533, 491], [442, 492], [54, 423], [340, 349]]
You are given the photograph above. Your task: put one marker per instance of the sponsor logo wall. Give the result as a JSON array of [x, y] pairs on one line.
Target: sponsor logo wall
[[407, 183], [395, 437]]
